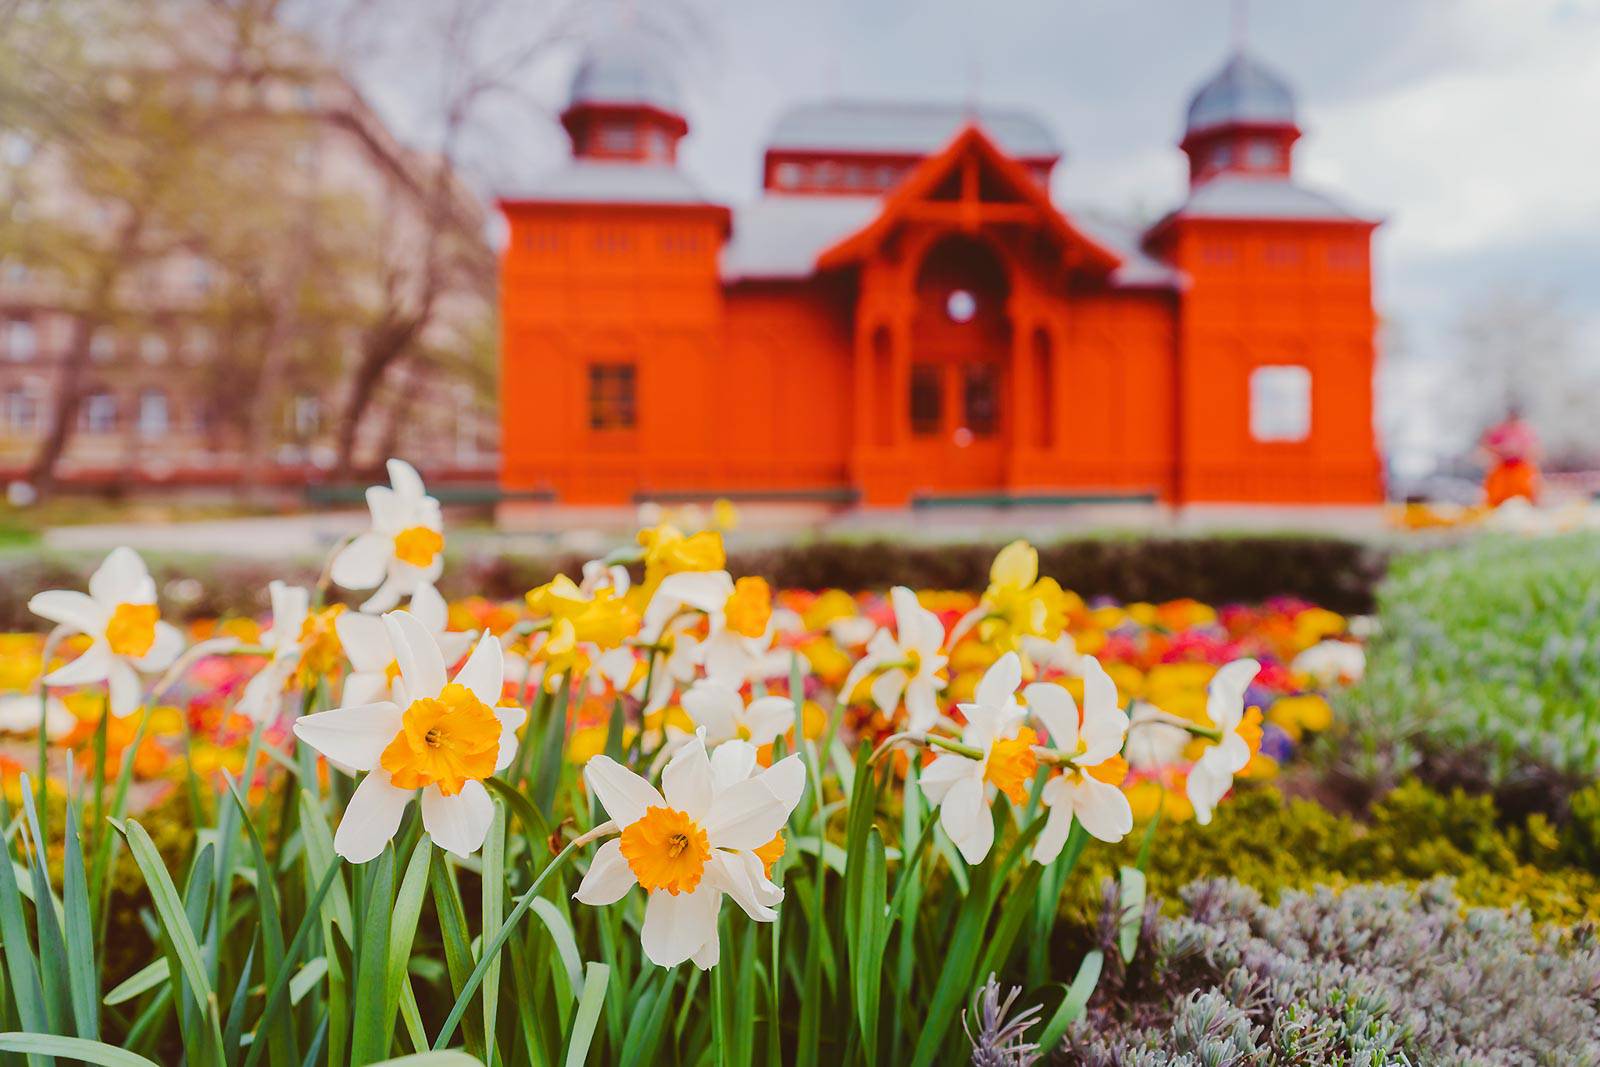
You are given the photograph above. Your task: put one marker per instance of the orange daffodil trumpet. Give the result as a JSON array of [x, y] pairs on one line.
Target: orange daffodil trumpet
[[446, 740], [1235, 739], [908, 665], [706, 833], [1088, 749], [403, 550], [120, 617]]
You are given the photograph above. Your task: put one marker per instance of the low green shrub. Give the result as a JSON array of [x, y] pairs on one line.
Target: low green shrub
[[1273, 845], [1367, 975], [1487, 669], [1333, 573]]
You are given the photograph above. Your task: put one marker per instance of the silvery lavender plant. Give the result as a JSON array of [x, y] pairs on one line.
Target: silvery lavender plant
[[1001, 1042]]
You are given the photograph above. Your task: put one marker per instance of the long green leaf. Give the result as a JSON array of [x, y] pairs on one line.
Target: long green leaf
[[175, 924], [596, 977], [370, 1035], [493, 885], [46, 921], [1074, 1002], [83, 975], [73, 1048], [403, 927]]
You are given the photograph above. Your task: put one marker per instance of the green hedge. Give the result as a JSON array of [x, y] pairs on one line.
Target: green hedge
[[1334, 573]]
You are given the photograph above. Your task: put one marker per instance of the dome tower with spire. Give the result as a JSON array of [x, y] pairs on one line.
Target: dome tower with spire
[[625, 103], [1241, 121]]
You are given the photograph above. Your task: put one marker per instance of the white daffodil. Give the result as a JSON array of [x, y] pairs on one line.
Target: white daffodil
[[445, 742], [1329, 662], [1087, 789], [1155, 739], [1060, 656], [366, 641], [265, 694], [997, 756], [722, 712], [739, 628], [119, 614], [404, 549], [19, 714], [706, 832], [1239, 736], [907, 664]]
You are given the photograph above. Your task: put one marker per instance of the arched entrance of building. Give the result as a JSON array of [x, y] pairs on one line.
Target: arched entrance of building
[[960, 346]]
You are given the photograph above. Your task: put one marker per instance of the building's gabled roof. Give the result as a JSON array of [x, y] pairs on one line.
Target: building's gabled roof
[[906, 129], [596, 181], [971, 146], [1243, 91], [780, 237], [1139, 269]]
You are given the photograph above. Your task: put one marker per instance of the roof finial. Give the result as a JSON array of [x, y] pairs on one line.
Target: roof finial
[[1241, 24], [974, 78]]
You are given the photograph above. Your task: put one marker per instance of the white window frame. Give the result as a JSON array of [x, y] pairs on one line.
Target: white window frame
[[1280, 403]]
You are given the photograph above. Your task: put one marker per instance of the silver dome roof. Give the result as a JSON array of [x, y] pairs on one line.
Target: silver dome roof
[[1242, 91], [626, 68]]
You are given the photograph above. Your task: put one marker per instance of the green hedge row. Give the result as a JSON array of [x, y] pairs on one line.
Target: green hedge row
[[1335, 573]]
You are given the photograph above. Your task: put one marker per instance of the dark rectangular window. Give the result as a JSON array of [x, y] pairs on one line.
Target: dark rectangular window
[[927, 398], [612, 404], [982, 398]]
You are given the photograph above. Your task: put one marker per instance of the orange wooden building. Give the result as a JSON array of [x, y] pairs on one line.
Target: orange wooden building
[[904, 317]]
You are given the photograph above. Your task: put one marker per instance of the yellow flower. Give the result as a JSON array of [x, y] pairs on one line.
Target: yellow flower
[[1012, 763], [724, 515], [605, 619], [1296, 714], [828, 661], [831, 605], [749, 609], [1018, 602], [668, 551], [320, 649]]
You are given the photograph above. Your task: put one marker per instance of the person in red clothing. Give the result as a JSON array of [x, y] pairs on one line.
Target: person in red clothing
[[1513, 451]]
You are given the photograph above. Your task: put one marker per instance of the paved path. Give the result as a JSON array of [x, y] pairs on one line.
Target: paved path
[[592, 532]]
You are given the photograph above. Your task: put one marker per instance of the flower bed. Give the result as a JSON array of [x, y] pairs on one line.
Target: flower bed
[[646, 813]]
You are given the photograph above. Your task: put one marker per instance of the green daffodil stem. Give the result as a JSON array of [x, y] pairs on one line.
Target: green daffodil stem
[[956, 747], [888, 743], [1210, 733], [491, 951]]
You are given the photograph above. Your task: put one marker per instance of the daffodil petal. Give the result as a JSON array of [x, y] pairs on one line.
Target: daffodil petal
[[460, 823], [371, 818], [609, 877]]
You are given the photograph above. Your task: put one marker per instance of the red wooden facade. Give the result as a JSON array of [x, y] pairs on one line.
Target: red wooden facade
[[911, 318]]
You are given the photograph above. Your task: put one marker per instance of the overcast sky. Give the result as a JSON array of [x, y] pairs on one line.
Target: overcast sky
[[1471, 126]]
